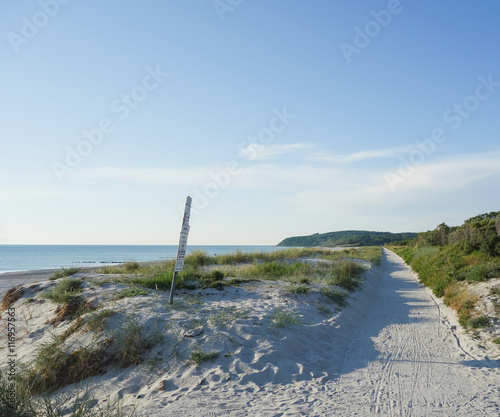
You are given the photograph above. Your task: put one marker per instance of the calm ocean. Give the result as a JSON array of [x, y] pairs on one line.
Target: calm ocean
[[35, 257]]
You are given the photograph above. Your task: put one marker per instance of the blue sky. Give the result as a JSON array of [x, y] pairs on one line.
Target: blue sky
[[278, 118]]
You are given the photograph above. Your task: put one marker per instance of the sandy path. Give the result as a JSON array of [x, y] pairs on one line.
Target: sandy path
[[401, 357]]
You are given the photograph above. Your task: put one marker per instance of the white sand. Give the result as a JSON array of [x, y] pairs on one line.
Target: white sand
[[395, 350]]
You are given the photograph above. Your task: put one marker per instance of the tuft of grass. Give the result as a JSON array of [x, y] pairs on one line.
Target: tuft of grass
[[198, 258], [64, 272], [214, 279], [110, 269], [336, 295], [495, 291], [458, 297], [298, 289], [222, 318], [96, 322], [10, 297], [28, 404], [283, 318], [323, 309], [345, 274], [478, 322], [198, 356], [132, 292], [54, 368], [130, 343], [131, 266], [64, 292], [66, 295]]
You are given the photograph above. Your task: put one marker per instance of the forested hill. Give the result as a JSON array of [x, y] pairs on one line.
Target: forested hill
[[347, 237]]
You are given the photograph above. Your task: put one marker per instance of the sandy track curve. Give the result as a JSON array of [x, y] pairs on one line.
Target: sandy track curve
[[394, 353]]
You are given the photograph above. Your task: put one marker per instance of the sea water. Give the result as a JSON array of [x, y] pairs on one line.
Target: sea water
[[36, 257]]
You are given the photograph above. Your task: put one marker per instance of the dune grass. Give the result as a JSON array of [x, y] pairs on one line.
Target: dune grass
[[198, 356], [283, 318], [64, 272]]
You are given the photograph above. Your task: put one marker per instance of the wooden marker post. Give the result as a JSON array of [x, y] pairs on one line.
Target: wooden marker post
[[181, 250]]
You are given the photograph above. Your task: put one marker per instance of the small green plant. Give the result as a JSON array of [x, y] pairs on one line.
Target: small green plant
[[478, 322], [64, 272], [495, 291], [198, 356], [283, 318], [298, 289], [497, 340], [132, 292], [228, 354]]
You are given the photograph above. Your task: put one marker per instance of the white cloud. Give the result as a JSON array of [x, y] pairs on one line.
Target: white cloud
[[256, 151], [359, 156]]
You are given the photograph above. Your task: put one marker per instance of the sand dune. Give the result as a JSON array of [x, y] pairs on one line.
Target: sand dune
[[395, 350]]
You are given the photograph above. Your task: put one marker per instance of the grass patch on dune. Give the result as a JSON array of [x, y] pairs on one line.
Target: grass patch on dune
[[64, 292], [133, 291], [371, 254], [283, 318], [28, 404], [336, 295], [345, 274], [198, 356], [298, 289], [10, 297], [64, 272]]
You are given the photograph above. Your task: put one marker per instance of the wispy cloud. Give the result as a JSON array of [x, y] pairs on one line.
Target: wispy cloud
[[359, 156], [256, 151]]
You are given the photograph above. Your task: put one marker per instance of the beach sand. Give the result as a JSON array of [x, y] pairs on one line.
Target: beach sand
[[394, 350]]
